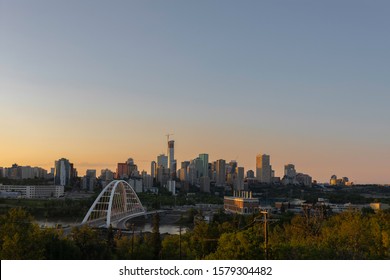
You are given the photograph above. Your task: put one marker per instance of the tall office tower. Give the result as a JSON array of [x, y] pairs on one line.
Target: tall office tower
[[182, 174], [239, 179], [304, 179], [153, 169], [221, 172], [162, 160], [233, 166], [121, 171], [250, 174], [213, 171], [289, 171], [205, 160], [185, 164], [73, 171], [290, 175], [171, 156], [106, 175], [147, 180], [263, 168], [174, 167], [91, 173], [183, 171], [162, 175], [191, 173], [62, 172], [132, 168], [198, 166], [89, 180]]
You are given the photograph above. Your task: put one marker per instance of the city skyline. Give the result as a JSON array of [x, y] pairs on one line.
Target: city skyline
[[302, 82], [145, 166]]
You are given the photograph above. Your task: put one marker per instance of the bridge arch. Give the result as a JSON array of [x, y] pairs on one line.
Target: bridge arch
[[116, 201]]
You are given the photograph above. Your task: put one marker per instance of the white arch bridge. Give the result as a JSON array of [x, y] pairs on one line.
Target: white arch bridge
[[116, 203]]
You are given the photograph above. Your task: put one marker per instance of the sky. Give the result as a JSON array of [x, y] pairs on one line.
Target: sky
[[98, 82]]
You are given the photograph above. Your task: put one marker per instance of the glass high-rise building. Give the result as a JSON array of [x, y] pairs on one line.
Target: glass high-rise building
[[153, 169], [205, 164], [221, 172], [263, 169], [171, 156], [62, 172], [162, 160]]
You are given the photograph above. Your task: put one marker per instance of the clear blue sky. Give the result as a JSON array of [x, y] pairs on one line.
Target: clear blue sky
[[100, 81]]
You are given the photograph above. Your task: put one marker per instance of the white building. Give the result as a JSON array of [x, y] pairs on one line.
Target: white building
[[147, 181], [153, 169], [171, 186], [136, 184], [44, 191], [62, 172]]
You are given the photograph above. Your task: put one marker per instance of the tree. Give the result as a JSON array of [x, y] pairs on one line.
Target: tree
[[58, 247], [204, 239], [242, 245], [156, 240], [171, 249], [19, 236], [91, 245]]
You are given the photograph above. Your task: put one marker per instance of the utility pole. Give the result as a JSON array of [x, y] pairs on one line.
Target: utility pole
[[180, 242], [265, 213], [132, 242], [266, 221]]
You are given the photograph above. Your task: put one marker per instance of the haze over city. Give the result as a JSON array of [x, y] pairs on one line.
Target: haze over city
[[99, 82]]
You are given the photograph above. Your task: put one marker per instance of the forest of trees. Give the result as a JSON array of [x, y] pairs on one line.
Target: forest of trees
[[350, 235]]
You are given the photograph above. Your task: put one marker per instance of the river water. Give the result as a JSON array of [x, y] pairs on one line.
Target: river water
[[139, 225], [170, 229]]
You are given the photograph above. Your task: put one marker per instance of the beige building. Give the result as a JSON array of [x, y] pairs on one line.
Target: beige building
[[241, 203], [379, 206], [263, 168]]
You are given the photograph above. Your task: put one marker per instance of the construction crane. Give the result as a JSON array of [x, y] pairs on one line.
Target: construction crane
[[169, 134]]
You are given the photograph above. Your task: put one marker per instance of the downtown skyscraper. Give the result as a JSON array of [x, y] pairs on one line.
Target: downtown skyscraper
[[63, 172], [263, 168], [171, 158], [205, 165]]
